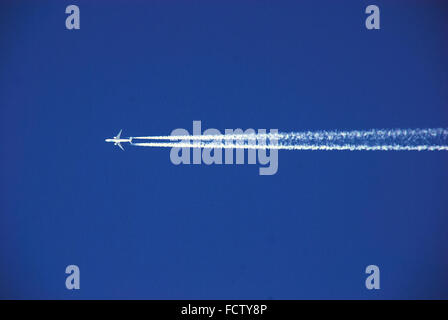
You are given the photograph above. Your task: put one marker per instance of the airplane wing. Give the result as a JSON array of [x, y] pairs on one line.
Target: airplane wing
[[119, 134], [118, 144]]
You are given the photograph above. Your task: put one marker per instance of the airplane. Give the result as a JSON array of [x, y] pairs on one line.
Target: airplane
[[117, 140]]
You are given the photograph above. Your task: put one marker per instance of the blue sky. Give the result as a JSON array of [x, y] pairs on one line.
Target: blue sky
[[140, 227]]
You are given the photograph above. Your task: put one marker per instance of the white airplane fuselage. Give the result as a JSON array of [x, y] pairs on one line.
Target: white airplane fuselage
[[118, 140]]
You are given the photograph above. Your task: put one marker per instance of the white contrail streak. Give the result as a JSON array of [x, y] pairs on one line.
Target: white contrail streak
[[294, 147], [375, 139], [205, 137]]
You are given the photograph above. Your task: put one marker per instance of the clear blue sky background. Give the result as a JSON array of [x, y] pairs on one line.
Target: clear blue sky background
[[140, 227]]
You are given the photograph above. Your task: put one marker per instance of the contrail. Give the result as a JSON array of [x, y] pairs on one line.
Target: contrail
[[368, 140]]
